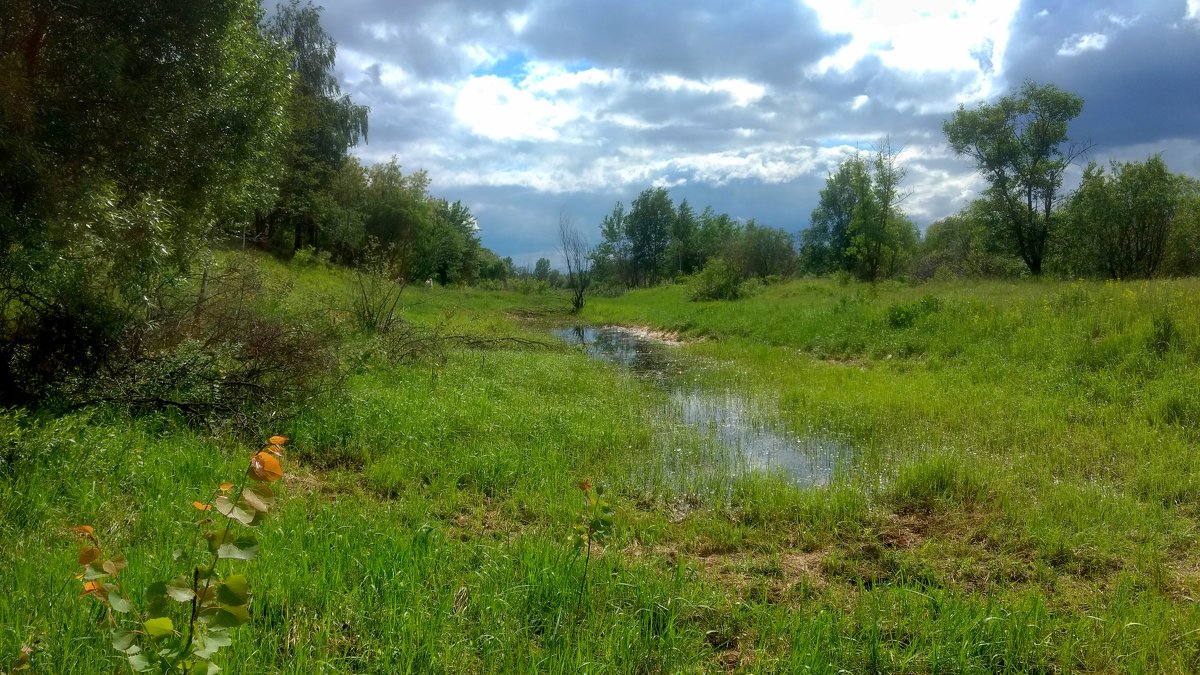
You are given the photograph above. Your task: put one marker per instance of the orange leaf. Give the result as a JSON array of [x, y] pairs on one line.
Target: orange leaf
[[264, 467], [277, 440], [226, 486], [88, 555], [85, 530], [200, 506], [90, 587], [586, 486]]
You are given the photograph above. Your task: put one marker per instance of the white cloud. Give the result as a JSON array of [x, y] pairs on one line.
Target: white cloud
[[548, 78], [860, 101], [495, 108], [932, 36], [1192, 12], [742, 93], [1080, 43]]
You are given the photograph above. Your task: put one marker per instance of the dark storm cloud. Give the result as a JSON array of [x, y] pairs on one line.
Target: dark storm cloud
[[762, 40], [1143, 86]]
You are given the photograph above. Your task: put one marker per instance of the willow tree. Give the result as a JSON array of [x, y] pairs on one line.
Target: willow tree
[[127, 133], [1021, 148]]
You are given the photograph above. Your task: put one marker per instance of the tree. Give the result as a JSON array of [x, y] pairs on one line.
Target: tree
[[1020, 146], [764, 251], [684, 229], [128, 137], [610, 259], [578, 257], [398, 213], [880, 236], [541, 269], [648, 229], [826, 242], [1120, 222], [325, 124], [716, 236]]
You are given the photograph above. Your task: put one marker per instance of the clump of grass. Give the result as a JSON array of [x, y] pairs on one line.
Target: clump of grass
[[934, 481], [904, 315]]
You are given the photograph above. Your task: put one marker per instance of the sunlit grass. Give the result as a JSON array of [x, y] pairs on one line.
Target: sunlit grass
[[1022, 495]]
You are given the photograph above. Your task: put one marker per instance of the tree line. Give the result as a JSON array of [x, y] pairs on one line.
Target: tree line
[[1129, 220]]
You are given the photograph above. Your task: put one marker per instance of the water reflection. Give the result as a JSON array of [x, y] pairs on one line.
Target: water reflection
[[731, 420]]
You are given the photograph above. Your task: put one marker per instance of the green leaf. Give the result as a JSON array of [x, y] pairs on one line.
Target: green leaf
[[203, 668], [159, 628], [118, 603], [260, 498], [123, 640], [243, 548], [180, 590], [227, 508], [91, 573], [140, 663], [207, 645], [234, 591], [218, 538], [158, 603], [230, 616]]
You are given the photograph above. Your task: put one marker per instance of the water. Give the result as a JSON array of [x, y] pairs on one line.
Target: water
[[734, 423]]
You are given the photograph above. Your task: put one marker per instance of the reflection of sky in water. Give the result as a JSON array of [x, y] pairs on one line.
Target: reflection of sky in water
[[809, 461]]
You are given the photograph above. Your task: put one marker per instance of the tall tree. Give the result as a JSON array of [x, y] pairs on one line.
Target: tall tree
[[1020, 146], [825, 244], [684, 229], [648, 229], [611, 258], [325, 123], [880, 236]]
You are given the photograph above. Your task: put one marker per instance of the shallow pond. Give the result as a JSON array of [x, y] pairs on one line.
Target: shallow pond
[[745, 431]]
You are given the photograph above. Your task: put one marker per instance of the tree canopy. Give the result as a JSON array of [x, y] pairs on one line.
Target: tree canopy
[[1021, 147]]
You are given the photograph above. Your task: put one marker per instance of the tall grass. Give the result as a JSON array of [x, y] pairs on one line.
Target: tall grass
[[1022, 496]]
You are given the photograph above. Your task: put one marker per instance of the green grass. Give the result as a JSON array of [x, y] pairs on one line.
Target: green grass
[[1023, 497]]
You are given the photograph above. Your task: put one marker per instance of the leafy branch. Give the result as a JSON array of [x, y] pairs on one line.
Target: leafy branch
[[149, 637]]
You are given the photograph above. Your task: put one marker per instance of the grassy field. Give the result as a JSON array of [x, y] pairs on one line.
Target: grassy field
[[1023, 497]]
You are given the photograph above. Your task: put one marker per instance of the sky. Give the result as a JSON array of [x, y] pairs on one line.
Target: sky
[[525, 109]]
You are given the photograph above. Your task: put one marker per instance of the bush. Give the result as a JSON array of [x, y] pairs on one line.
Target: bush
[[905, 315], [216, 357], [717, 281]]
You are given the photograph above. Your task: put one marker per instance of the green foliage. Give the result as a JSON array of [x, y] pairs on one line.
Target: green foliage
[[858, 225], [904, 315], [1119, 225], [591, 528], [717, 281], [187, 620], [324, 125], [104, 205], [1020, 146]]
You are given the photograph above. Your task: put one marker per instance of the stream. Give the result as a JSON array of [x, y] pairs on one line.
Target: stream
[[744, 432]]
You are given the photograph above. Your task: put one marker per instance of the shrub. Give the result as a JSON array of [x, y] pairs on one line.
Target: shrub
[[905, 315], [717, 281]]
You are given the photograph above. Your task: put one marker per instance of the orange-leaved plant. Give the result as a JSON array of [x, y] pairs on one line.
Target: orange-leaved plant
[[591, 526], [186, 621]]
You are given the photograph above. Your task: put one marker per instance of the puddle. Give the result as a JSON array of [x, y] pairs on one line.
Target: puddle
[[731, 421]]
